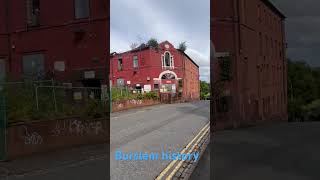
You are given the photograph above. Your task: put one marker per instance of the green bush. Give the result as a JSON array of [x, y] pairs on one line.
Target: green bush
[[58, 103], [151, 95], [94, 109]]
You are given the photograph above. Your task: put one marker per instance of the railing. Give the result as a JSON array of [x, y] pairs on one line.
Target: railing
[[36, 100]]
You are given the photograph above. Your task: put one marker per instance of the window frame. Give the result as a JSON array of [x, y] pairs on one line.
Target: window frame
[[120, 66], [74, 10], [30, 14], [171, 60], [4, 59], [32, 54], [135, 58]]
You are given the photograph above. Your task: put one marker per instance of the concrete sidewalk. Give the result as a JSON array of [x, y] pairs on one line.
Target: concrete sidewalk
[[52, 161]]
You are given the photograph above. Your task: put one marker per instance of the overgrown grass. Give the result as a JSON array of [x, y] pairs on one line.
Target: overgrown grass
[[52, 104], [125, 94]]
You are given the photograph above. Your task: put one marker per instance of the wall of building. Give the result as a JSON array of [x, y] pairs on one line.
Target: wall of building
[[191, 88], [252, 34], [80, 43], [27, 138]]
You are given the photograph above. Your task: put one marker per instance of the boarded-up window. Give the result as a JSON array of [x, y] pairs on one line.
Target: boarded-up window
[[2, 69], [224, 104], [33, 64], [82, 8], [33, 12]]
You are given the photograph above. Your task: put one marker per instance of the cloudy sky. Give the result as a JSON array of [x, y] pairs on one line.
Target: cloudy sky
[[173, 20], [303, 29]]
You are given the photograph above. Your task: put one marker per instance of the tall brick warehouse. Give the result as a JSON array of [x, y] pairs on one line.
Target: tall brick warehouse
[[250, 37], [67, 40]]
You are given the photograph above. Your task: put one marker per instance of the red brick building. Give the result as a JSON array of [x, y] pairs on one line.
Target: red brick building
[[67, 40], [251, 36], [166, 70]]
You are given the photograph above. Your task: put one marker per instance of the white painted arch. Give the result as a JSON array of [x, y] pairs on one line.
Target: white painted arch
[[168, 71]]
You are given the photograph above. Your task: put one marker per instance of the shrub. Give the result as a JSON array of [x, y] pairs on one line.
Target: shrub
[[151, 95]]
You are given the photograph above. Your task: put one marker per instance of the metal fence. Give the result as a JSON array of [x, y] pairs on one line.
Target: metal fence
[[121, 93], [37, 100]]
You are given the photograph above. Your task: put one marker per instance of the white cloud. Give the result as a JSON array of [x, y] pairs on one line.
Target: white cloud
[[203, 61]]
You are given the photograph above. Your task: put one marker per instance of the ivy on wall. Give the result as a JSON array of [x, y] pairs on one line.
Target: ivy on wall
[[225, 66]]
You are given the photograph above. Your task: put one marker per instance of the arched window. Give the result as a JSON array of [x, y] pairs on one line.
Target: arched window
[[167, 60], [168, 76]]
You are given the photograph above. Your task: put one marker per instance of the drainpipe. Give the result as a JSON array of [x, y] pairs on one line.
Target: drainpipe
[[237, 42], [8, 34]]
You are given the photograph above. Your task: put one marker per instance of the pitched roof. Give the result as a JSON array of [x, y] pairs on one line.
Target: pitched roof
[[188, 57], [274, 8]]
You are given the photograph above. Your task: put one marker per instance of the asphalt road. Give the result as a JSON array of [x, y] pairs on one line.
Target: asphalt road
[[153, 129], [277, 152]]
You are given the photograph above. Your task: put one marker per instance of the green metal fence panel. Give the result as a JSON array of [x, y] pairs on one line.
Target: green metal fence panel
[[3, 129]]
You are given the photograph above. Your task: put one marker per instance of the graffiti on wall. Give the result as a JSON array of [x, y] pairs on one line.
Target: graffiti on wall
[[76, 127], [135, 102], [31, 138], [128, 103]]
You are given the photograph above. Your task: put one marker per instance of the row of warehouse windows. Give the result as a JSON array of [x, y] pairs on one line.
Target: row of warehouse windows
[[81, 10], [268, 18], [270, 47], [135, 63], [167, 61], [264, 16], [31, 65]]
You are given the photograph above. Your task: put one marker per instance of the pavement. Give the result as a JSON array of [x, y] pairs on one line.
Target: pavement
[[278, 152], [157, 128], [86, 162], [202, 170]]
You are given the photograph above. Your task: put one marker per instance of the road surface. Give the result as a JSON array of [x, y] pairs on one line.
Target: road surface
[[153, 129], [277, 152]]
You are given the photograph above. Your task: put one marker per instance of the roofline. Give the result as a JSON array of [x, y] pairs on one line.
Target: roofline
[[188, 57], [274, 8]]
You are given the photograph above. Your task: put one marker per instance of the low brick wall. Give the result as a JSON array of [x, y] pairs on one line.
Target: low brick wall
[[133, 103], [27, 138]]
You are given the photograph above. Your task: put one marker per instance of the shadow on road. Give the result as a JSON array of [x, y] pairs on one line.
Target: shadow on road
[[278, 151]]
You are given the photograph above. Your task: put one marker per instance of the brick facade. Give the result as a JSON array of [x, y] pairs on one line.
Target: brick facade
[[152, 72], [68, 41], [252, 36]]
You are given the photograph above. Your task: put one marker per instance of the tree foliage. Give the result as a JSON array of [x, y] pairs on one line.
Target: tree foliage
[[204, 90], [303, 91], [134, 46], [153, 42], [182, 46]]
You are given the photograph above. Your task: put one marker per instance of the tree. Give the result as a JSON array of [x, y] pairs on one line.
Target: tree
[[133, 46], [204, 90], [312, 111], [303, 91], [182, 46], [153, 43]]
